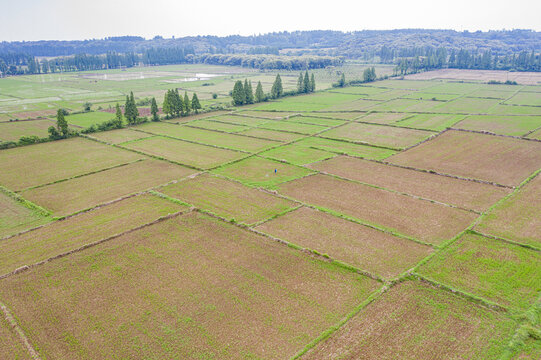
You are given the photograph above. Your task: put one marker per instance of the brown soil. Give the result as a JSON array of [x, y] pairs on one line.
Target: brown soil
[[423, 220], [461, 193], [343, 240], [498, 159]]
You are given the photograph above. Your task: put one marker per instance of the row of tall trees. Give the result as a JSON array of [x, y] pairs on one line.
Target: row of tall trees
[[244, 94], [175, 105], [306, 84], [269, 62]]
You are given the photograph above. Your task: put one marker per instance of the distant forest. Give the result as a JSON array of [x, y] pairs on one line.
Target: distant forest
[[410, 50]]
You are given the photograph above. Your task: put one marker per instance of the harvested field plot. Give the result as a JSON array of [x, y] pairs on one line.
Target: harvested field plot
[[67, 197], [492, 158], [53, 161], [382, 118], [388, 95], [466, 105], [233, 286], [119, 136], [518, 218], [209, 124], [11, 347], [299, 153], [294, 127], [414, 320], [15, 217], [197, 116], [342, 147], [479, 75], [429, 222], [230, 141], [418, 95], [351, 243], [69, 234], [359, 90], [13, 130], [457, 88], [291, 105], [493, 93], [228, 199], [466, 194], [436, 122], [387, 136], [256, 171], [405, 84], [238, 120], [272, 134], [199, 156], [503, 125], [507, 274]]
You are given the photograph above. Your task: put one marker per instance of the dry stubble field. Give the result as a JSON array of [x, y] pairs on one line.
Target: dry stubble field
[[298, 228]]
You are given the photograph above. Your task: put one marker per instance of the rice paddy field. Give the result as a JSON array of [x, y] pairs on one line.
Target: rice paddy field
[[399, 219]]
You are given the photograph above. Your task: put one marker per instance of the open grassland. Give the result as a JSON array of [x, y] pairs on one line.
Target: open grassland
[[436, 122], [89, 227], [66, 197], [88, 119], [343, 147], [186, 153], [504, 273], [518, 218], [423, 220], [259, 172], [485, 157], [525, 98], [503, 125], [272, 134], [273, 115], [298, 153], [16, 217], [198, 288], [466, 105], [228, 199], [294, 127], [119, 136], [356, 105], [216, 138], [336, 115], [382, 117], [535, 134], [533, 78], [11, 347], [236, 119], [387, 136], [354, 244], [14, 130], [53, 161], [410, 105], [210, 124], [414, 320], [306, 119], [466, 194]]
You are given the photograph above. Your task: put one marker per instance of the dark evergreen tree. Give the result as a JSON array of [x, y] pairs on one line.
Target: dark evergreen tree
[[259, 94], [300, 83], [61, 123], [239, 96], [277, 89], [312, 83], [130, 110], [187, 104], [249, 92], [166, 106], [306, 83], [154, 110], [196, 106], [118, 117]]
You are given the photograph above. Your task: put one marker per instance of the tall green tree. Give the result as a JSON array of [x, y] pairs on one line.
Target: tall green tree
[[196, 105], [178, 103], [248, 92], [62, 123], [166, 106], [154, 110], [342, 81], [277, 89], [306, 83], [118, 117], [300, 83], [130, 110], [187, 104], [239, 96], [259, 94], [369, 74], [312, 83]]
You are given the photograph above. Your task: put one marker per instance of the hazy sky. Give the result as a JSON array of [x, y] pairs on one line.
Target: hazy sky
[[76, 19]]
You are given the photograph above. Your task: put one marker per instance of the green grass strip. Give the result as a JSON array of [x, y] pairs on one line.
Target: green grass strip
[[29, 205]]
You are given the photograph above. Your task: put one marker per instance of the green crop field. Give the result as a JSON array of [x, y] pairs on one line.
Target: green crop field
[[397, 219]]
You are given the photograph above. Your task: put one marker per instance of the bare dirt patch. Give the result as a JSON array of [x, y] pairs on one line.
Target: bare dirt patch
[[421, 219], [462, 193], [414, 320], [497, 159]]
